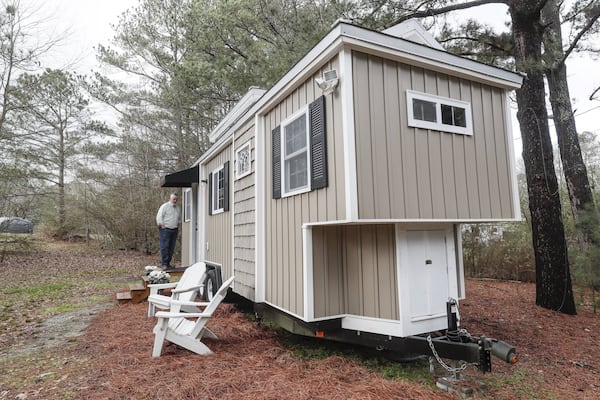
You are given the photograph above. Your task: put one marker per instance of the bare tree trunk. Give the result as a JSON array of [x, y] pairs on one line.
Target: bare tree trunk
[[62, 214], [574, 169], [553, 280]]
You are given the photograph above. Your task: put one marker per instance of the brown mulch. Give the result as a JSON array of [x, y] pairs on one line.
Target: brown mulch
[[111, 359], [558, 357], [248, 363], [558, 353]]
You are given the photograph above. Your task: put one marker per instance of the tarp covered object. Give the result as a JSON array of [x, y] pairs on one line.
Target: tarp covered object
[[15, 225]]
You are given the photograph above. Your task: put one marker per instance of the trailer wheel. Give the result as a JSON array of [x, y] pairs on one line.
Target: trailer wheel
[[210, 286]]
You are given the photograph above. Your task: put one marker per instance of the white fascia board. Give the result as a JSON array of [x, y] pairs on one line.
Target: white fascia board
[[429, 57], [235, 113], [411, 221], [344, 34]]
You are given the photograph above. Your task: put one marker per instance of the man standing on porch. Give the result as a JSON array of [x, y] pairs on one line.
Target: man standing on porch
[[167, 219]]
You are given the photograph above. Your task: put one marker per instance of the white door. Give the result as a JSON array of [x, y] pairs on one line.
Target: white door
[[427, 267]]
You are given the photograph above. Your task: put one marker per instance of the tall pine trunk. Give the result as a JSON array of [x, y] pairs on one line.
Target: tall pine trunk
[[574, 169], [553, 279]]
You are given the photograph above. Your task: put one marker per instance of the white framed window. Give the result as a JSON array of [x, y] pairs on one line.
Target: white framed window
[[243, 162], [299, 152], [295, 154], [187, 205], [218, 190], [439, 113]]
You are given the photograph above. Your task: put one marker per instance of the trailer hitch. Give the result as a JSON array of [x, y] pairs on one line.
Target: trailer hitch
[[487, 346]]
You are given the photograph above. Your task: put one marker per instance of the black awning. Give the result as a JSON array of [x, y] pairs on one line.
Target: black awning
[[183, 178]]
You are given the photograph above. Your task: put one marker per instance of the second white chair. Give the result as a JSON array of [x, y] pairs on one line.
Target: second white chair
[[186, 289]]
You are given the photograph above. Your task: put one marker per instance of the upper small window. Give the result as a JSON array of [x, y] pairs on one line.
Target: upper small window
[[243, 161], [438, 113], [187, 205], [295, 154]]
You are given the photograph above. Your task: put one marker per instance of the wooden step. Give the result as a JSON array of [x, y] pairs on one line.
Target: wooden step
[[123, 297], [139, 292]]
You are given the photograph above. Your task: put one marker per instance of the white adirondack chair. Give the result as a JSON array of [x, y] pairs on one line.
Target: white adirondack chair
[[180, 329], [186, 289]]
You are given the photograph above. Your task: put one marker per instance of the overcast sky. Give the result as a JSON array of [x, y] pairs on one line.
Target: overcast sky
[[85, 23], [79, 24]]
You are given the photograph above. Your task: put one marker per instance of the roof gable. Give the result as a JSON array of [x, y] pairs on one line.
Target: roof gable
[[412, 30]]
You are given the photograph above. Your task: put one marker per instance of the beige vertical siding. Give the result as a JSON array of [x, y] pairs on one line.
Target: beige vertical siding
[[354, 271], [406, 172], [285, 216], [244, 221], [218, 226]]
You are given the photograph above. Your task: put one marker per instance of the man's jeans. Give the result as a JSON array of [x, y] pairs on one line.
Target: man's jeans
[[167, 238]]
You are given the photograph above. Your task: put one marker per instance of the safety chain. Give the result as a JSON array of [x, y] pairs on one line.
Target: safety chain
[[441, 362]]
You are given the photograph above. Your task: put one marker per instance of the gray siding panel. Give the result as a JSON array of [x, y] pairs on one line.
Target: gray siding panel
[[412, 173], [244, 221], [285, 216], [354, 271]]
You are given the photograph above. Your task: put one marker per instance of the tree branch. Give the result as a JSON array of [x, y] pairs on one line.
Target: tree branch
[[471, 39], [443, 10], [581, 33], [594, 93]]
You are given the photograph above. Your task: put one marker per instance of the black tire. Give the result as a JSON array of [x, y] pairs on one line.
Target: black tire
[[210, 286]]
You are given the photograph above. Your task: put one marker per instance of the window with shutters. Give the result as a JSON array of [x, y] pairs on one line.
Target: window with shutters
[[218, 190], [299, 153], [438, 113], [295, 155]]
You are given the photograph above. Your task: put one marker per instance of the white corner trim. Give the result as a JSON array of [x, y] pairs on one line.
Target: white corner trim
[[459, 259], [307, 267], [202, 213], [260, 233], [348, 132], [511, 159]]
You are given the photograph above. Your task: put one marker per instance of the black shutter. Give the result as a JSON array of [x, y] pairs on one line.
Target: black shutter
[[318, 144], [210, 189], [276, 161], [226, 186]]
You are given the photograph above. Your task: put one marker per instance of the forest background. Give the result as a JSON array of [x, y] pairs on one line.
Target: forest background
[[82, 154]]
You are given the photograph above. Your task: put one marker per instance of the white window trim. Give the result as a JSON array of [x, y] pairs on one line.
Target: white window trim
[[438, 100], [245, 146], [187, 205], [307, 188], [215, 189]]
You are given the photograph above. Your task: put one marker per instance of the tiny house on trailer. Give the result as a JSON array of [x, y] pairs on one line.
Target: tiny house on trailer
[[336, 196]]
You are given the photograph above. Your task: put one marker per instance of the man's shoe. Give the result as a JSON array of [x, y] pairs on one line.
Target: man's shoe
[[165, 267]]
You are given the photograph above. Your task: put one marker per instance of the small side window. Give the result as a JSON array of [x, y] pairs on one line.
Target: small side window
[[187, 205], [438, 113]]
